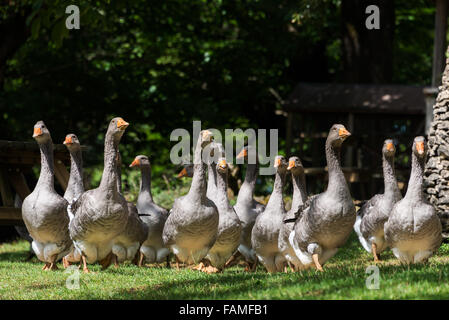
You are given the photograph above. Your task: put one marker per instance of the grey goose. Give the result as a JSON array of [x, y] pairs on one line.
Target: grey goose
[[126, 245], [372, 216], [192, 224], [75, 186], [298, 200], [265, 233], [99, 215], [246, 207], [44, 210], [413, 229], [326, 220], [153, 216], [229, 227]]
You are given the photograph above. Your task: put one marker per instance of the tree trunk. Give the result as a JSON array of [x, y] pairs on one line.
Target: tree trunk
[[368, 54]]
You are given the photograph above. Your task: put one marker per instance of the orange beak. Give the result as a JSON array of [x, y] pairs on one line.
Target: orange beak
[[277, 163], [242, 154], [390, 147], [183, 173], [136, 162], [122, 124], [343, 133], [68, 140], [291, 164], [222, 164], [37, 132], [420, 147]]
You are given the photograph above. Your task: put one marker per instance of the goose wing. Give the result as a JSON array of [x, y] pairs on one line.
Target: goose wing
[[369, 205], [302, 208]]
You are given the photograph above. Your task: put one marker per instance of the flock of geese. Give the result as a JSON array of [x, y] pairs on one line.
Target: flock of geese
[[205, 231]]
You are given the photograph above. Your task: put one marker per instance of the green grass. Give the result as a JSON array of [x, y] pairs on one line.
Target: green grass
[[344, 278]]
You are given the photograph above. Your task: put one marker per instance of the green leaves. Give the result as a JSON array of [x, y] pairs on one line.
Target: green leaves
[[35, 27], [59, 32], [162, 63]]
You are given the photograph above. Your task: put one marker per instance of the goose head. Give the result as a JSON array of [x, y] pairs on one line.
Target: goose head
[[337, 134], [206, 137], [295, 165], [248, 153], [71, 142], [222, 165], [187, 171], [40, 132], [420, 147], [389, 149], [280, 163], [117, 127], [140, 161]]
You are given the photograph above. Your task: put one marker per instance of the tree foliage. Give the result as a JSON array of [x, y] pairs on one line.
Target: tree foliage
[[163, 63]]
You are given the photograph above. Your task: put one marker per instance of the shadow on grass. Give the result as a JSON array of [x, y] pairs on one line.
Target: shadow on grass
[[236, 284], [15, 256], [344, 278], [45, 286], [219, 286]]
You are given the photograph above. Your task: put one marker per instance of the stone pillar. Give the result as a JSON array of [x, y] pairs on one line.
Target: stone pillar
[[437, 167]]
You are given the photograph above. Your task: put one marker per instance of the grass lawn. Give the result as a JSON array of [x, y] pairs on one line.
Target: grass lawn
[[344, 278]]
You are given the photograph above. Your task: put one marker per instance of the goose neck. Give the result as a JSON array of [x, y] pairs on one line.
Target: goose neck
[[336, 176], [211, 181], [415, 184], [222, 189], [119, 178], [299, 189], [109, 178], [75, 183], [46, 177], [246, 191], [390, 182], [276, 199], [145, 185], [197, 190]]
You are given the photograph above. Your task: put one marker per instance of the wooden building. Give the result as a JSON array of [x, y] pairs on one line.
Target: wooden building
[[371, 113]]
